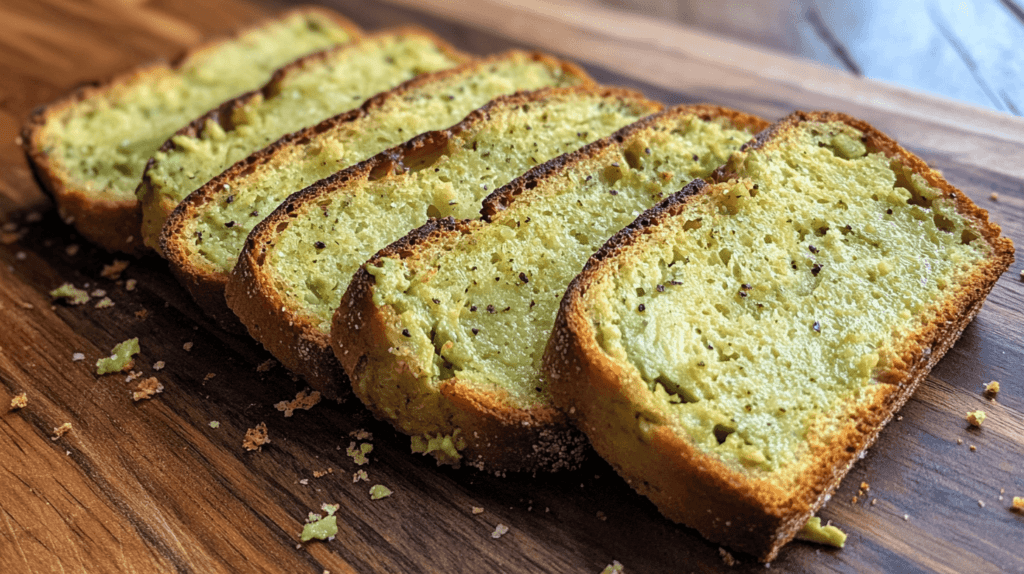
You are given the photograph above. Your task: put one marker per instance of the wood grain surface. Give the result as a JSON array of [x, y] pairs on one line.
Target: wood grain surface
[[150, 486]]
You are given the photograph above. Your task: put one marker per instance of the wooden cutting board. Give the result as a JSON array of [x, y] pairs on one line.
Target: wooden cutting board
[[152, 486]]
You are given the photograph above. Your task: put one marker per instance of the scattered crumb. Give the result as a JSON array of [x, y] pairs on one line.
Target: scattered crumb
[[726, 557], [266, 366], [973, 448], [499, 531], [994, 196], [19, 401], [360, 475], [146, 389], [141, 314], [77, 357], [975, 418], [70, 294], [113, 271], [72, 249], [322, 473], [478, 510], [854, 500], [992, 389], [361, 434], [26, 305], [359, 454], [61, 431], [159, 365], [120, 358], [132, 375], [379, 491], [98, 293], [130, 284], [215, 424], [874, 501], [187, 346], [614, 568], [981, 503], [21, 256], [321, 528], [304, 481], [959, 441], [209, 376], [255, 438], [1018, 504], [865, 486], [906, 517], [303, 400], [899, 417], [105, 303]]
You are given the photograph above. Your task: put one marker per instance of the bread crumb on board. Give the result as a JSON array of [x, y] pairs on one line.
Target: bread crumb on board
[[187, 346], [114, 270], [120, 359], [322, 473], [727, 558], [478, 510], [304, 400], [71, 294], [359, 453], [61, 431], [615, 567], [499, 531], [215, 424], [256, 437], [992, 389], [19, 401], [1018, 504], [360, 475], [975, 418], [146, 389], [321, 527], [379, 491]]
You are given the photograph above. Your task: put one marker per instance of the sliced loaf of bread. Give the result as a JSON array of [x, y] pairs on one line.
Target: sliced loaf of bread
[[303, 93], [737, 348], [442, 333], [297, 263], [204, 235], [89, 149]]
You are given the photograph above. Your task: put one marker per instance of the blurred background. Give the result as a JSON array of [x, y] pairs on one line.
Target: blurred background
[[971, 51]]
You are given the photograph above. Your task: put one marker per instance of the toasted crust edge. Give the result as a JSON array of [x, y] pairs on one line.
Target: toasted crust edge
[[104, 221], [292, 337], [156, 209], [206, 283], [695, 489]]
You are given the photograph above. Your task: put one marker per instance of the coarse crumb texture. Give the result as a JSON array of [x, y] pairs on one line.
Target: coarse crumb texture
[[472, 305], [208, 230], [91, 148], [734, 350], [303, 93], [304, 400], [147, 388], [256, 437], [297, 263], [19, 401]]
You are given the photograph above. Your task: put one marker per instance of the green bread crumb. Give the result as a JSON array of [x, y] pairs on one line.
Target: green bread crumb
[[445, 448], [813, 531], [214, 424], [379, 491], [120, 357], [320, 528], [613, 568], [71, 294], [975, 418], [359, 454]]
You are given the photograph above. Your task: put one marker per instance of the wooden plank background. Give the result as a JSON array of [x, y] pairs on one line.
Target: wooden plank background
[[150, 486]]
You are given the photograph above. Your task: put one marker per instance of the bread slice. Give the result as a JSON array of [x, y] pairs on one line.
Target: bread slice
[[442, 333], [89, 149], [297, 263], [205, 233], [737, 348], [303, 93]]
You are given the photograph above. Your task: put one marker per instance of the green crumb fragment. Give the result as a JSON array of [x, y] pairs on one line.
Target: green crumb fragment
[[319, 527], [445, 448], [379, 491], [813, 531], [105, 303], [359, 453], [613, 568], [120, 358], [975, 418], [71, 294], [215, 424]]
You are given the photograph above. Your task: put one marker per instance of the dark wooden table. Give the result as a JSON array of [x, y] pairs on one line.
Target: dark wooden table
[[152, 487]]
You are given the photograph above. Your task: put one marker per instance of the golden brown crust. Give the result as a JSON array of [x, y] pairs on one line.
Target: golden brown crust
[[291, 335], [115, 225], [205, 282], [753, 515], [157, 209]]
